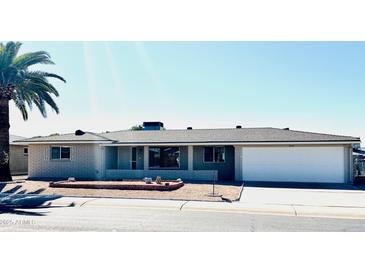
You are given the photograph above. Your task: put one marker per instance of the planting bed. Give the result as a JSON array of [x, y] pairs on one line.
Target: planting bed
[[192, 191], [120, 185], [359, 180]]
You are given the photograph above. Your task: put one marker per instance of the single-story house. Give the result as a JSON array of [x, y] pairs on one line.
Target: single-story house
[[359, 161], [18, 156], [241, 154]]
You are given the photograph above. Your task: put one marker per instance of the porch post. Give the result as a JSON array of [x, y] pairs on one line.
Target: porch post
[[145, 158], [190, 157], [101, 163]]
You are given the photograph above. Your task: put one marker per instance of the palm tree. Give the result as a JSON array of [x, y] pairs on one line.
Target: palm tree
[[26, 88]]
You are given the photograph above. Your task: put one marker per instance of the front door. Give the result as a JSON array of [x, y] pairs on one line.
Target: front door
[[134, 158]]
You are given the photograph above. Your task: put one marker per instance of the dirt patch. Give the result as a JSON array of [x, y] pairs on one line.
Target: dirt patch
[[190, 191]]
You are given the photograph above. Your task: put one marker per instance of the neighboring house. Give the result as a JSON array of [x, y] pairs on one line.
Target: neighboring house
[[18, 156], [241, 154], [359, 161]]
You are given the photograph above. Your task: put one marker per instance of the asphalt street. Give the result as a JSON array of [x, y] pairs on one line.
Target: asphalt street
[[114, 218]]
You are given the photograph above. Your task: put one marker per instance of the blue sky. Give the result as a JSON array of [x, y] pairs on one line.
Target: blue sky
[[311, 86]]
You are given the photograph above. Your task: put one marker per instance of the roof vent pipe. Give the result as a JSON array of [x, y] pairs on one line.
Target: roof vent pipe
[[286, 128], [189, 128], [238, 126]]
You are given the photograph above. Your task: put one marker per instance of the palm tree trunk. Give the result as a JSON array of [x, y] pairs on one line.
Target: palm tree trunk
[[4, 141]]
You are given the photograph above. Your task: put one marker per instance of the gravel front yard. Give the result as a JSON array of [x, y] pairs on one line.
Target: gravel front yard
[[190, 191]]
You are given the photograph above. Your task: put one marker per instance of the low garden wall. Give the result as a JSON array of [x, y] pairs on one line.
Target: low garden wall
[[193, 175], [121, 186]]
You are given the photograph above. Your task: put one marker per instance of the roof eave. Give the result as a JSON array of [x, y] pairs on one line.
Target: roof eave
[[349, 142], [61, 142]]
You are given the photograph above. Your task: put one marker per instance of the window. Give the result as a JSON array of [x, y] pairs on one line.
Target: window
[[219, 154], [164, 157], [60, 153], [25, 151], [214, 155]]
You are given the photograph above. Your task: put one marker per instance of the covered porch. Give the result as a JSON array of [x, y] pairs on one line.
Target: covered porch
[[195, 163]]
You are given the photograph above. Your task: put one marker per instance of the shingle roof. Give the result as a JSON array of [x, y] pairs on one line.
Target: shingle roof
[[243, 135], [13, 138], [70, 137]]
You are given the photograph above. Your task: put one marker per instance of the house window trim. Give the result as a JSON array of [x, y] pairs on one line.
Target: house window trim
[[214, 161], [165, 168], [60, 159]]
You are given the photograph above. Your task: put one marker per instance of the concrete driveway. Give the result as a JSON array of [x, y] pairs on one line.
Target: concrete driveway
[[321, 196]]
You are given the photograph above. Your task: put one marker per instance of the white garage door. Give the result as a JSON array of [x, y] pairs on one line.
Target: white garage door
[[293, 164]]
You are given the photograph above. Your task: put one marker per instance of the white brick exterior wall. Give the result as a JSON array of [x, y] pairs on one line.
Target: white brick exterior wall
[[85, 163], [18, 161]]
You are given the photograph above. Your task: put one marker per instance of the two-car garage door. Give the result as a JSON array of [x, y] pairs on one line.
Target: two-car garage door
[[294, 164]]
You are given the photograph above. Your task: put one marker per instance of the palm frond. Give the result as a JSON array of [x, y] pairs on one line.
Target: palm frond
[[12, 49], [27, 87], [48, 75], [29, 59], [40, 105], [23, 111], [8, 53], [2, 48], [40, 97], [45, 97], [40, 83]]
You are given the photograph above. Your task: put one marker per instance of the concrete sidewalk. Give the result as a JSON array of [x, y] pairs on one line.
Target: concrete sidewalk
[[288, 202]]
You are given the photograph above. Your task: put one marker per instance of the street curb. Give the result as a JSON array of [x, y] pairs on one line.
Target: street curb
[[121, 203], [288, 210], [66, 201], [236, 207], [331, 212]]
